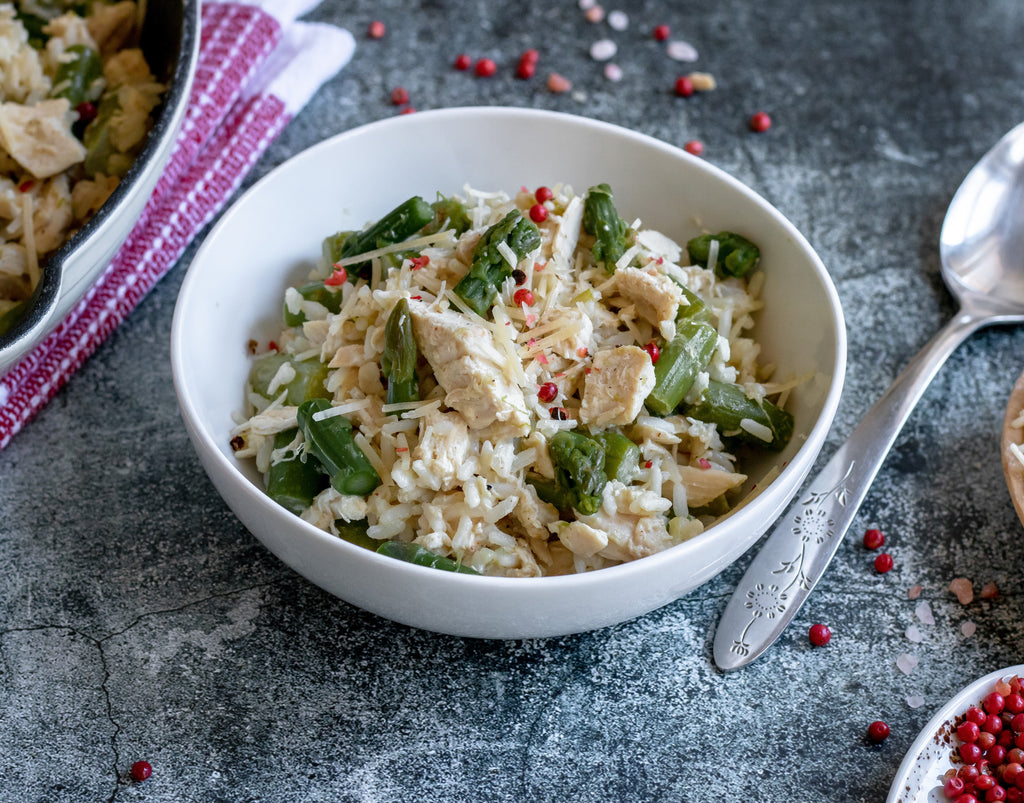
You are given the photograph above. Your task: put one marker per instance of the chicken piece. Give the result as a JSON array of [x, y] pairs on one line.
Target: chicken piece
[[534, 515], [329, 505], [111, 26], [660, 245], [657, 298], [703, 485], [582, 539], [270, 422], [634, 521], [471, 371], [52, 216], [39, 137], [616, 387], [441, 456]]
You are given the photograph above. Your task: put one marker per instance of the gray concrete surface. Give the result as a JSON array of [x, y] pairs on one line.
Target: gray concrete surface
[[139, 620]]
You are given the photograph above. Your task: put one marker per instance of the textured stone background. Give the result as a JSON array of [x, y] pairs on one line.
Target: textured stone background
[[138, 619]]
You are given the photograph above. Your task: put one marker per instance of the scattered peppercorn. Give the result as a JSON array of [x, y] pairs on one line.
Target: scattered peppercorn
[[878, 731], [543, 194], [883, 563], [237, 443], [337, 278], [485, 68], [547, 392], [376, 30], [662, 32], [760, 122], [519, 276], [141, 770], [819, 635], [559, 414], [523, 296], [463, 61], [399, 96], [873, 539], [525, 70], [683, 86], [538, 214], [408, 110], [652, 351], [694, 146]]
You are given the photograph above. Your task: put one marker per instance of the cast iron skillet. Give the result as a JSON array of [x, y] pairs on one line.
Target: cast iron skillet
[[170, 40]]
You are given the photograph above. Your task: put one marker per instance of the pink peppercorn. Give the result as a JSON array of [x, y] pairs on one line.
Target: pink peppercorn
[[684, 86], [662, 32], [819, 635], [543, 194], [485, 68], [883, 563], [376, 30], [523, 296], [399, 96], [538, 214], [694, 146], [141, 770], [873, 539], [878, 731], [760, 122], [463, 61], [547, 392]]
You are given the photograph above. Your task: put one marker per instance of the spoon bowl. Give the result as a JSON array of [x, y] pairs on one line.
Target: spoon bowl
[[982, 253], [981, 244]]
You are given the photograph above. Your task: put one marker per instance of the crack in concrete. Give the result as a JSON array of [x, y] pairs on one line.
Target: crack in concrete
[[122, 779]]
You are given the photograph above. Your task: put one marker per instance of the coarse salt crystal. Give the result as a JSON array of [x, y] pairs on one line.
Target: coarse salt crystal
[[964, 590], [594, 14], [914, 634], [906, 663], [603, 49], [618, 20], [586, 4], [681, 51], [613, 72], [923, 612], [558, 83], [968, 628], [915, 700], [914, 592]]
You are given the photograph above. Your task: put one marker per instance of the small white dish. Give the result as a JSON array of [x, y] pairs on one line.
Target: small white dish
[[921, 775], [272, 235]]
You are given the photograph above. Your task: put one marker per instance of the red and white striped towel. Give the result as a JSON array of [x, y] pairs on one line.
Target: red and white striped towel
[[257, 68]]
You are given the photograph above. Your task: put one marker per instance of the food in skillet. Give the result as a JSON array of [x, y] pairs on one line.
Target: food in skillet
[[76, 97], [514, 386]]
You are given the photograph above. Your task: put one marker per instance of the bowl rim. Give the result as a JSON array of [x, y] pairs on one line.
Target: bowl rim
[[794, 471]]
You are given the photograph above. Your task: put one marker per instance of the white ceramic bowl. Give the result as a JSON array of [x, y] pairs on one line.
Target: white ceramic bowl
[[272, 235]]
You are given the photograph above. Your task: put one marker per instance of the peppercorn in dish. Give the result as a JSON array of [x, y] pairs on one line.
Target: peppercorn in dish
[[76, 97], [515, 386]]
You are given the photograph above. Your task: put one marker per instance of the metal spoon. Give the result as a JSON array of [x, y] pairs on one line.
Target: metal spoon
[[982, 252]]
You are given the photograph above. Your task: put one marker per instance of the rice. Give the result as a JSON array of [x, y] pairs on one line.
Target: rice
[[467, 469], [76, 103]]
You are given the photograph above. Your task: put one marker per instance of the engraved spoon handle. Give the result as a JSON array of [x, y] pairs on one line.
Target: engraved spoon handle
[[802, 543]]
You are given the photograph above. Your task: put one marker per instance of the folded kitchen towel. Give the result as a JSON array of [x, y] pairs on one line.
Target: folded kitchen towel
[[257, 68]]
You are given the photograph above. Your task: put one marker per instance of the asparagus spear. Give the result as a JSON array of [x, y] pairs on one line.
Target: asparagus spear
[[399, 224], [479, 287], [621, 456], [682, 358], [398, 362], [414, 553], [579, 463], [96, 138], [293, 482], [314, 291], [330, 441], [760, 423], [601, 220], [77, 75], [450, 210], [355, 533], [308, 382], [737, 256]]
